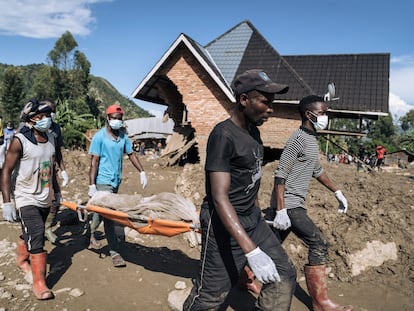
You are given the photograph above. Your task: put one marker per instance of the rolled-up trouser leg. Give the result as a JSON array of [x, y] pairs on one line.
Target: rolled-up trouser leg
[[95, 221]]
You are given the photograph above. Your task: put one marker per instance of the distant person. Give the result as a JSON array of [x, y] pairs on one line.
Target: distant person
[[107, 150], [31, 155], [234, 232], [142, 149], [2, 155], [1, 131], [380, 152], [361, 157], [59, 165], [8, 133], [298, 164]]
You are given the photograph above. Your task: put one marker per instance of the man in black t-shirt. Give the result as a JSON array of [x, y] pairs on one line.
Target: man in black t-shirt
[[234, 232]]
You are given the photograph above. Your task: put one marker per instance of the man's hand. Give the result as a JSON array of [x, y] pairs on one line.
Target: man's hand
[[9, 211], [282, 220], [65, 178], [262, 266], [92, 190], [343, 202], [143, 179]]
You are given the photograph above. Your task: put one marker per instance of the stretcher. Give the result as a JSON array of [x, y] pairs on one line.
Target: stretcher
[[142, 224]]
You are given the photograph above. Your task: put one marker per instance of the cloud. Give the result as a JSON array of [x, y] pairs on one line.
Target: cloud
[[44, 19], [402, 77], [398, 107]]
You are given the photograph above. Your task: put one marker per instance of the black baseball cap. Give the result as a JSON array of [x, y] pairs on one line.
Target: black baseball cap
[[257, 79]]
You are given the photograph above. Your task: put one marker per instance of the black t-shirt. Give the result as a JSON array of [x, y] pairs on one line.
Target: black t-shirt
[[239, 152]]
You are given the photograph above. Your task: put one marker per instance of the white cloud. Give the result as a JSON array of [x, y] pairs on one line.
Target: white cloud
[[398, 107], [402, 77], [43, 19]]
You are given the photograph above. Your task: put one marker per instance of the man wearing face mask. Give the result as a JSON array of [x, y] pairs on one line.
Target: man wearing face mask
[[55, 130], [234, 233], [107, 150], [31, 154], [298, 163]]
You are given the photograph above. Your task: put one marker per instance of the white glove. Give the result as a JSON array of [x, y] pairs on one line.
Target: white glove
[[262, 266], [343, 202], [92, 190], [9, 211], [282, 220], [65, 178], [143, 178]]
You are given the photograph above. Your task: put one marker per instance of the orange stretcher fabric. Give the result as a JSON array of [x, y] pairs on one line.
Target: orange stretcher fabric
[[154, 226]]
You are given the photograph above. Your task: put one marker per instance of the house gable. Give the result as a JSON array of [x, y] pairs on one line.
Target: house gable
[[194, 82]]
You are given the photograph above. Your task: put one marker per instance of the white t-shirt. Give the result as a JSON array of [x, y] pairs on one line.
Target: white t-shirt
[[34, 184]]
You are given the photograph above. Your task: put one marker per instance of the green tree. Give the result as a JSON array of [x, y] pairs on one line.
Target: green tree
[[70, 70], [62, 54], [407, 141], [383, 132], [43, 84], [73, 125], [407, 121], [12, 94]]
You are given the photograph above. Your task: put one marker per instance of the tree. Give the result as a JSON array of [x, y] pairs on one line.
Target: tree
[[73, 124], [383, 132], [12, 94], [43, 84], [62, 54], [407, 121], [70, 69]]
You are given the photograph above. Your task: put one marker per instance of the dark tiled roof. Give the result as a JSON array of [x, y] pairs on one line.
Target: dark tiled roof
[[361, 80], [243, 47]]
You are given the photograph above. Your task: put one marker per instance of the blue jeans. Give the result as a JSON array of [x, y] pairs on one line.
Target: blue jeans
[[306, 230]]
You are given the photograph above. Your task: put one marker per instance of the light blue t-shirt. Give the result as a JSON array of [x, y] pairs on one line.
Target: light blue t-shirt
[[110, 152]]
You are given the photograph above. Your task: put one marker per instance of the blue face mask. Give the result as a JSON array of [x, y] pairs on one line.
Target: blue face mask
[[43, 125], [115, 124]]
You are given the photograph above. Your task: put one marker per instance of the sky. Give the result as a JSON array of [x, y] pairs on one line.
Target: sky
[[124, 39]]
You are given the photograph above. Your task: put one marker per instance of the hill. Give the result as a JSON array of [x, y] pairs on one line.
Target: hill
[[99, 88]]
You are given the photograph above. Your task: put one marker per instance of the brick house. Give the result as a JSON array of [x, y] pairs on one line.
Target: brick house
[[193, 82]]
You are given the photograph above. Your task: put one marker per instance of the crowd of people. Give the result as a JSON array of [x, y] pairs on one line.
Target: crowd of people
[[238, 243], [364, 159]]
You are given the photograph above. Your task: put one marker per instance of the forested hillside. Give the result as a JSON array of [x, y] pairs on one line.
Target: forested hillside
[[81, 99], [99, 88]]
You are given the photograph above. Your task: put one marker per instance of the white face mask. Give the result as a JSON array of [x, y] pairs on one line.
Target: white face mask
[[43, 125], [321, 121], [115, 124]]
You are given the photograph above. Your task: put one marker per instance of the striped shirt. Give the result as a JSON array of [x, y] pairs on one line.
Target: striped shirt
[[298, 163]]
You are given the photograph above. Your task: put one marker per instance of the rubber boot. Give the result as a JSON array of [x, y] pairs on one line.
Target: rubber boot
[[48, 227], [247, 281], [38, 264], [22, 260], [318, 290]]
